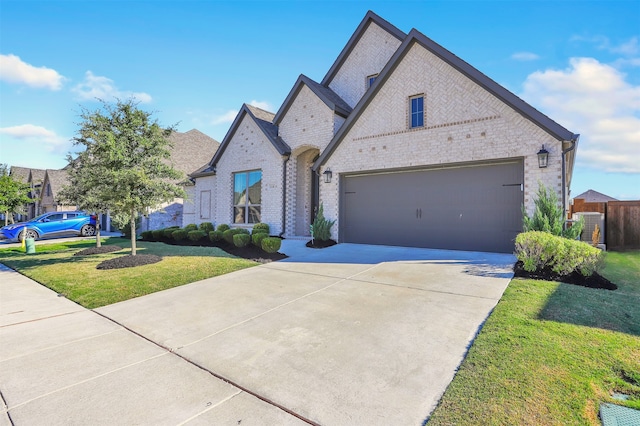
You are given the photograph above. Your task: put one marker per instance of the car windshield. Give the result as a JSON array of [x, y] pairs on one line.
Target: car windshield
[[37, 219]]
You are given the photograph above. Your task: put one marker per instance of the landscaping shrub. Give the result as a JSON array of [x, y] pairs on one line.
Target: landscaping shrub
[[321, 227], [229, 233], [241, 240], [215, 236], [167, 232], [260, 228], [223, 227], [157, 234], [206, 227], [257, 238], [196, 235], [147, 235], [191, 227], [538, 250], [549, 217], [179, 234], [271, 244]]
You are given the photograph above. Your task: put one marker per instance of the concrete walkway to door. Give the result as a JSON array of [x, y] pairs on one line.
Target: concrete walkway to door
[[349, 334]]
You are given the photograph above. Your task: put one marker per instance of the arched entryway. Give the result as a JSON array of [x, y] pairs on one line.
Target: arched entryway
[[306, 193]]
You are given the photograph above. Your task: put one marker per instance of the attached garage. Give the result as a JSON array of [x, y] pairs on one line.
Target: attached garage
[[470, 207]]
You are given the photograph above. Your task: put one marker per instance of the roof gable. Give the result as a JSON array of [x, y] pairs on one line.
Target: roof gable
[[191, 149], [36, 176], [362, 28], [592, 196], [56, 179], [19, 173], [264, 121], [520, 106], [328, 96]]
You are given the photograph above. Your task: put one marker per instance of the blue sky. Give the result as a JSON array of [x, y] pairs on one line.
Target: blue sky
[[194, 63]]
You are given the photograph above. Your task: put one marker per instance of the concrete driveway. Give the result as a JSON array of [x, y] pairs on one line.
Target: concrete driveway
[[350, 334]]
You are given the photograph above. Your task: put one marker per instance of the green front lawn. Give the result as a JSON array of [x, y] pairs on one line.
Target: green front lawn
[[550, 353], [76, 277]]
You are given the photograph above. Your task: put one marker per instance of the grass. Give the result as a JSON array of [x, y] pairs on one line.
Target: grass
[[77, 278], [550, 353]]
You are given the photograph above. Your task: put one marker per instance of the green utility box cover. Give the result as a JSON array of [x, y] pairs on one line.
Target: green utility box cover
[[30, 243]]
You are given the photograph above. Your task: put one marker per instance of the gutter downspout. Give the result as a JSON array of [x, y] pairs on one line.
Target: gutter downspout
[[284, 194], [574, 141]]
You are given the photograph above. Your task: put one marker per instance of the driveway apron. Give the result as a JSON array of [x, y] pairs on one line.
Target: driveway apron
[[350, 334]]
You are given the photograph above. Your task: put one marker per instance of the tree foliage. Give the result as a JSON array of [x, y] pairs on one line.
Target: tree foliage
[[549, 217], [13, 194], [123, 167]]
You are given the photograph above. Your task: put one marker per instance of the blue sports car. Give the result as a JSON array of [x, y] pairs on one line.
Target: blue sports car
[[52, 224]]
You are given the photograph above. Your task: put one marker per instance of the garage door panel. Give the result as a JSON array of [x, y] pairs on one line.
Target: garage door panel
[[465, 208]]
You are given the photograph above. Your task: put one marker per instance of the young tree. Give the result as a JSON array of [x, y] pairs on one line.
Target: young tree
[[13, 194], [126, 154], [549, 217]]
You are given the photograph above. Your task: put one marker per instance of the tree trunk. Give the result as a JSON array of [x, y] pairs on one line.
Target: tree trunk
[[98, 226], [133, 232]]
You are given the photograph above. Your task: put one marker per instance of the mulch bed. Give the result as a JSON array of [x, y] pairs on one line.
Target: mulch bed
[[129, 261], [594, 281], [317, 244], [250, 252], [98, 250]]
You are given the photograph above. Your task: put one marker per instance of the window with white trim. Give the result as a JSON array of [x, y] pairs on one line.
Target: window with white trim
[[416, 111], [247, 196]]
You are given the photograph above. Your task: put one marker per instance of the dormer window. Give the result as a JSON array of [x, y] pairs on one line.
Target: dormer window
[[371, 79]]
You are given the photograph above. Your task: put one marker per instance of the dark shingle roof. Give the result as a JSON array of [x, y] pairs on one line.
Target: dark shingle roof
[[57, 179], [20, 174], [592, 196], [36, 176], [520, 106], [328, 96], [191, 149]]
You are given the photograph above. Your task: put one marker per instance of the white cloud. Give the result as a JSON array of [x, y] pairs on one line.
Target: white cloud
[[595, 100], [630, 47], [525, 56], [97, 87], [14, 70], [227, 117], [37, 137], [261, 104]]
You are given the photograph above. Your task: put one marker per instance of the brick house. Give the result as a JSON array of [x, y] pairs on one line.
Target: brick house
[[402, 142]]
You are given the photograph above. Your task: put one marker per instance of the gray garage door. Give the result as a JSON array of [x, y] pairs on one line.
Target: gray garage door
[[462, 208]]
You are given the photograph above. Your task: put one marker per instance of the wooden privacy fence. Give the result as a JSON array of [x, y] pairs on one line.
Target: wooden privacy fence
[[579, 205], [623, 225]]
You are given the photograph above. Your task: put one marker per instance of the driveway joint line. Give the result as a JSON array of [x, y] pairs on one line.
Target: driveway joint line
[[86, 380], [424, 289], [211, 407], [42, 318], [6, 408], [216, 375]]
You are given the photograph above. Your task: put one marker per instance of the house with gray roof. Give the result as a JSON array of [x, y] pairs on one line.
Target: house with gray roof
[[402, 142], [53, 182]]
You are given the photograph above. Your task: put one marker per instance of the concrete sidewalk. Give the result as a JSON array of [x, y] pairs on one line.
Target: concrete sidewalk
[[349, 334]]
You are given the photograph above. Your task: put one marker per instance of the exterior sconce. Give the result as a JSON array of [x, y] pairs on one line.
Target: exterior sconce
[[327, 176], [543, 158]]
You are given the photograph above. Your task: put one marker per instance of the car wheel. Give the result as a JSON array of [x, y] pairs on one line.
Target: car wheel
[[30, 233], [88, 230]]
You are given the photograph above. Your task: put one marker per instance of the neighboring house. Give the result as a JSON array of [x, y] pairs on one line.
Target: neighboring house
[[21, 174], [36, 177], [52, 183], [592, 196], [190, 150], [403, 143]]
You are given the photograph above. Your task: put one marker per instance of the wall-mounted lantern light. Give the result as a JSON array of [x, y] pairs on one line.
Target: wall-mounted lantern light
[[543, 158], [327, 176]]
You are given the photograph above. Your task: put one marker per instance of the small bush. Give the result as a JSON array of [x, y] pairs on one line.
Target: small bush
[[229, 233], [206, 227], [167, 232], [257, 238], [548, 216], [321, 227], [179, 234], [241, 240], [259, 228], [157, 234], [215, 236], [196, 235], [147, 235], [223, 227], [538, 250], [271, 244], [191, 227]]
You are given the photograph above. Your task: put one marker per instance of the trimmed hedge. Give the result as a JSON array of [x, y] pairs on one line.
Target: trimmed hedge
[[147, 235], [206, 227], [271, 244], [538, 250], [257, 238], [157, 234], [223, 227], [215, 236], [259, 228], [229, 233], [196, 235], [167, 232], [241, 239], [191, 227], [179, 234]]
